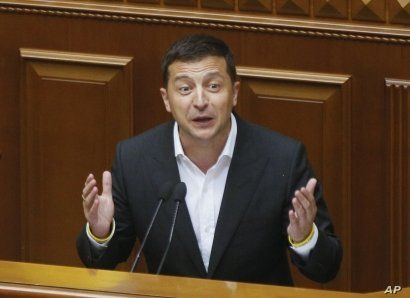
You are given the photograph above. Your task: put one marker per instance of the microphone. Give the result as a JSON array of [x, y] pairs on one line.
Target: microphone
[[164, 194], [178, 195]]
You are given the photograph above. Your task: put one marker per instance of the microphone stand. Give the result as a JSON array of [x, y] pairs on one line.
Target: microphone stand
[[178, 194], [165, 192]]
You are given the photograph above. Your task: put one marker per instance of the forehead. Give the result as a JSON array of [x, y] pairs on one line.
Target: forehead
[[207, 65]]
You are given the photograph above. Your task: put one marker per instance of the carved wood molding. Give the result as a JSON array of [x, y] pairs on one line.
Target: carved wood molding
[[74, 57], [302, 89], [398, 169], [159, 15], [291, 75], [69, 102]]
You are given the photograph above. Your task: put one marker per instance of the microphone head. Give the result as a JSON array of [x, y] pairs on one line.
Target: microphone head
[[166, 190], [179, 192]]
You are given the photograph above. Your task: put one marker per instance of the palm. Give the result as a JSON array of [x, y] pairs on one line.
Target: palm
[[99, 209], [302, 216], [101, 216]]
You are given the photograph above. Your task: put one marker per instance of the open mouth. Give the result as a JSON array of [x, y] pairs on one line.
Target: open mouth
[[202, 120]]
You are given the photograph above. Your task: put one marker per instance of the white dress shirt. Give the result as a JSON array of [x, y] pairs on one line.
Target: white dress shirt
[[205, 191]]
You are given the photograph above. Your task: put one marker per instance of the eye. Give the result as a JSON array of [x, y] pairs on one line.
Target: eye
[[184, 90], [214, 86]]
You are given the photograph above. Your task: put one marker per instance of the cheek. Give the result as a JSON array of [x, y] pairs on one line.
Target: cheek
[[180, 108], [224, 104]]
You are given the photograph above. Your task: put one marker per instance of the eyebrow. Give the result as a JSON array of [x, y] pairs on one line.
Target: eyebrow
[[209, 74], [180, 77]]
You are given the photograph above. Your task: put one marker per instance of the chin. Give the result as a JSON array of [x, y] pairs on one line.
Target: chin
[[205, 136]]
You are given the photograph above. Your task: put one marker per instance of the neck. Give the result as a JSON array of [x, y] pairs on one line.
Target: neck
[[204, 154]]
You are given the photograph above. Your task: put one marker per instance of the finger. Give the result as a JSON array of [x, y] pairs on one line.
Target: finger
[[308, 195], [89, 178], [299, 211], [90, 198], [93, 210], [293, 219], [294, 225], [308, 211], [310, 186], [107, 183], [88, 187], [302, 200]]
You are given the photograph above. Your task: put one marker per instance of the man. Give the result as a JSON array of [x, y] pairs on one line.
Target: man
[[250, 191]]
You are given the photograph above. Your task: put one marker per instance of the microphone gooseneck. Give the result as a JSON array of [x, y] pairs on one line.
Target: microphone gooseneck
[[165, 192], [178, 196]]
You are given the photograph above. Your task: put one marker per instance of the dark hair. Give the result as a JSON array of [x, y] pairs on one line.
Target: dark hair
[[195, 47]]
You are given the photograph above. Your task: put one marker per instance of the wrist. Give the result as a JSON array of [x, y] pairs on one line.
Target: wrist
[[102, 236], [304, 241]]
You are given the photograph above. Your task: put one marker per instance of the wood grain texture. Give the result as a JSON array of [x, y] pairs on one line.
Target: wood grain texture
[[144, 1], [181, 2], [399, 11], [256, 6], [378, 12], [293, 7], [366, 52], [23, 279], [74, 109], [193, 18], [313, 108], [369, 10], [330, 9], [218, 4], [398, 170]]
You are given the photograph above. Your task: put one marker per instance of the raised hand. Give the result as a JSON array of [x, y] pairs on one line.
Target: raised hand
[[98, 209], [304, 212]]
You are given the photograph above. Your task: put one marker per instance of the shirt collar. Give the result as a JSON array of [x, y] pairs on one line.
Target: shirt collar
[[228, 148]]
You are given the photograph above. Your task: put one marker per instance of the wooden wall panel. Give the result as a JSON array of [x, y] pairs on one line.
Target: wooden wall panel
[[370, 10], [144, 1], [331, 9], [257, 6], [9, 187], [293, 7], [368, 53], [398, 165], [376, 12], [181, 2], [314, 108], [399, 11], [219, 4], [10, 150], [74, 109]]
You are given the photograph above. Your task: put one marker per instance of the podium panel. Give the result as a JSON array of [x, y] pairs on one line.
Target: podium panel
[[19, 279]]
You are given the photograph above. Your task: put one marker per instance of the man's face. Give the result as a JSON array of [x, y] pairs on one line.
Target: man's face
[[200, 95]]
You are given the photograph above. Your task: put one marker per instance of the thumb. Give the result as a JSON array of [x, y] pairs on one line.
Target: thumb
[[107, 184], [311, 185]]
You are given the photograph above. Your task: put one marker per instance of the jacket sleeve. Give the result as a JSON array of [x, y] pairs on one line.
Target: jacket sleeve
[[324, 259]]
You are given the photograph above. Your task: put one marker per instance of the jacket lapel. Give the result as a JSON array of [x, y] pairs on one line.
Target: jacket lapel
[[243, 177], [164, 165]]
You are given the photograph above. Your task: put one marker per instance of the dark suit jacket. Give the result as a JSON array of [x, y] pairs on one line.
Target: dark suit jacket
[[250, 241]]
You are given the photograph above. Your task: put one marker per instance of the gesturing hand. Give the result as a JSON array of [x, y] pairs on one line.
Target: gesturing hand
[[98, 209], [304, 212]]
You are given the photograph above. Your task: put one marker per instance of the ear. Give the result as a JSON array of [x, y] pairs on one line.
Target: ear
[[236, 87], [164, 95]]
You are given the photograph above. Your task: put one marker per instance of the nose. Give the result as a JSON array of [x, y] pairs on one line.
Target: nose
[[200, 100]]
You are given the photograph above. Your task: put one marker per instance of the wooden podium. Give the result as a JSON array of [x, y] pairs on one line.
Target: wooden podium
[[19, 279]]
